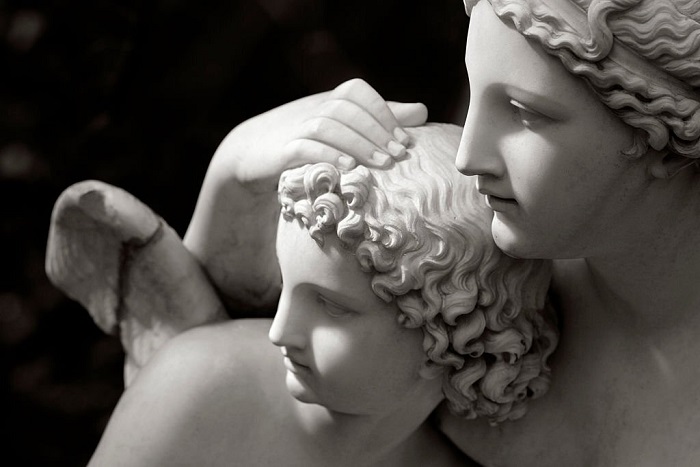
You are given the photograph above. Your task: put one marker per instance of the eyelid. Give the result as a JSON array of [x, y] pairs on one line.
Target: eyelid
[[524, 107], [340, 310]]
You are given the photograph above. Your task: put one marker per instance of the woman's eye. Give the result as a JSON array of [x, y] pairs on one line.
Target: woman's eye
[[526, 115], [333, 309]]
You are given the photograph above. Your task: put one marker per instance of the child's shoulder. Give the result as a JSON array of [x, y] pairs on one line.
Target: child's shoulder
[[219, 370], [201, 399], [225, 337], [227, 364], [233, 354]]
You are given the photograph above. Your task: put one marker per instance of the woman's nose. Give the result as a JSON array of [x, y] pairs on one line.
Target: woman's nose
[[289, 328], [478, 149]]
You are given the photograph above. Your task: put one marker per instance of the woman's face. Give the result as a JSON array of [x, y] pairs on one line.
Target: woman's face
[[546, 151], [342, 345]]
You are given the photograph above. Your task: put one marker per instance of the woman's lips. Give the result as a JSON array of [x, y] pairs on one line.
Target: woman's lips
[[499, 204]]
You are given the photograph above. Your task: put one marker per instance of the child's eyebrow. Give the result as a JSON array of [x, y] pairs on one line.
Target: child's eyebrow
[[357, 302], [337, 298], [324, 297]]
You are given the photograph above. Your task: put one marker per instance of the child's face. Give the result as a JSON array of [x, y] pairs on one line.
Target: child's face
[[342, 345]]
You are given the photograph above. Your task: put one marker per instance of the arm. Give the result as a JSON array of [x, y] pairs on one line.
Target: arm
[[232, 230]]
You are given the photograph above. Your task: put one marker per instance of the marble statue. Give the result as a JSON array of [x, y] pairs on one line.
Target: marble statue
[[394, 300], [589, 158], [582, 131], [582, 134]]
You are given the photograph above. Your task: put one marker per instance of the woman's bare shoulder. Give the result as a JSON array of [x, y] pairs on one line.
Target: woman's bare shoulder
[[199, 396]]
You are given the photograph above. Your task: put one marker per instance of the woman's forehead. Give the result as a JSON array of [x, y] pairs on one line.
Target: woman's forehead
[[498, 55]]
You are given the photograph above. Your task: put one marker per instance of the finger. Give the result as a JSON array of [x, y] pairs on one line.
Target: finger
[[343, 138], [307, 151], [364, 95], [409, 114], [351, 115]]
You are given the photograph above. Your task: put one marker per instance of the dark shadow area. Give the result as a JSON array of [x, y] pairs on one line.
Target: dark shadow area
[[138, 94]]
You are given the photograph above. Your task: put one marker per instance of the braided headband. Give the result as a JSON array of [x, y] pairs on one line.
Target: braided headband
[[581, 22]]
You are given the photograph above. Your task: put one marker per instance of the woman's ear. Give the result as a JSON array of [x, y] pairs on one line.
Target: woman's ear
[[430, 370], [665, 165]]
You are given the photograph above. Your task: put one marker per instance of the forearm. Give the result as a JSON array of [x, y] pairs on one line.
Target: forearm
[[232, 234], [233, 229]]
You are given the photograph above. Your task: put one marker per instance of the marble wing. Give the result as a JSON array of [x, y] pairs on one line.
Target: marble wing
[[129, 268]]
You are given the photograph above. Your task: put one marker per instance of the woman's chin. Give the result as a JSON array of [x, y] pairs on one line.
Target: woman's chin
[[510, 242]]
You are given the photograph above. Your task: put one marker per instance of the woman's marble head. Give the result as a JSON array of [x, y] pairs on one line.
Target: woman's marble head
[[640, 57]]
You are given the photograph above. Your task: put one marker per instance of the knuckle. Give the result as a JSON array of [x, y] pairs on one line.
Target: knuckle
[[341, 110], [334, 107], [305, 150], [316, 127], [376, 101], [351, 85], [358, 82], [294, 148]]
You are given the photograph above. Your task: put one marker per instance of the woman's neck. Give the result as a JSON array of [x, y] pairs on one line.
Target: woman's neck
[[625, 365], [634, 315], [650, 282]]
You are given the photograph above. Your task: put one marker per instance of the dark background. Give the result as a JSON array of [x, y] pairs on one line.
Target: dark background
[[138, 93]]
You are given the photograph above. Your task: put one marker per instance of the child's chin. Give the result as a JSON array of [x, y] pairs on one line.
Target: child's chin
[[299, 389]]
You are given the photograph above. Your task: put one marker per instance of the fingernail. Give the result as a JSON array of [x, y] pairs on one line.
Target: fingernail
[[346, 162], [401, 136], [396, 149], [380, 159]]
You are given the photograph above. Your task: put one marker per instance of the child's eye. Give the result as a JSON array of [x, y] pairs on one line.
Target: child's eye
[[333, 309], [526, 115]]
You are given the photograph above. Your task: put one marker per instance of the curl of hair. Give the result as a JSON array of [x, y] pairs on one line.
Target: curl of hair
[[423, 233], [666, 33]]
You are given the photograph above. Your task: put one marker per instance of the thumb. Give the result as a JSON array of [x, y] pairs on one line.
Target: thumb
[[413, 114]]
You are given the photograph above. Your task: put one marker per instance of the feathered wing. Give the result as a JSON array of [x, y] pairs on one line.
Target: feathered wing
[[129, 268]]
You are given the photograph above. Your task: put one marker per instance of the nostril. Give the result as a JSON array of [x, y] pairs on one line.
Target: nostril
[[479, 164], [477, 173], [466, 170]]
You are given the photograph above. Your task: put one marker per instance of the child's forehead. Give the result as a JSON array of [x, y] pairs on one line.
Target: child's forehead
[[330, 267]]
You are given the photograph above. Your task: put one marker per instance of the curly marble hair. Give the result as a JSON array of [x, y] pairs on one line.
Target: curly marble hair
[[641, 57], [423, 232]]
